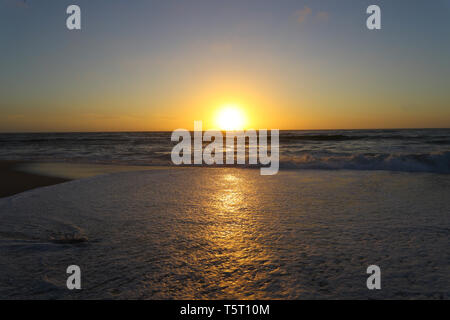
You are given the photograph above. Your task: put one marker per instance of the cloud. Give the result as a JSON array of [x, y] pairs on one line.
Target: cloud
[[18, 4], [303, 14], [320, 16]]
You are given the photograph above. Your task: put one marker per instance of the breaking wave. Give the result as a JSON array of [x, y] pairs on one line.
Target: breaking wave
[[438, 162], [411, 150]]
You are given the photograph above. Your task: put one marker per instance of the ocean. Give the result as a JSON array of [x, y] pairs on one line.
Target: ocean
[[414, 150], [342, 201]]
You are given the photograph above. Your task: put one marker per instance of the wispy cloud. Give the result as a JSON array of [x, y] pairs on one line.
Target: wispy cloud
[[18, 3], [303, 14], [320, 16]]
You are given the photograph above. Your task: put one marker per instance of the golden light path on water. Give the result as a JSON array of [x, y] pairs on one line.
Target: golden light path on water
[[228, 233], [235, 235]]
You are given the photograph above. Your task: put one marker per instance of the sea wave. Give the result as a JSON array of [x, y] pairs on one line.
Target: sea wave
[[348, 137], [438, 162], [412, 150]]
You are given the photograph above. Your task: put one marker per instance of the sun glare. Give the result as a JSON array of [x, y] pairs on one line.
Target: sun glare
[[230, 117]]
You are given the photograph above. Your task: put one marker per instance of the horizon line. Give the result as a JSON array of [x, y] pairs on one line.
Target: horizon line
[[159, 131]]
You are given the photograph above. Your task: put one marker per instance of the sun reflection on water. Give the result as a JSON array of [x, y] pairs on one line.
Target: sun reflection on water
[[234, 236]]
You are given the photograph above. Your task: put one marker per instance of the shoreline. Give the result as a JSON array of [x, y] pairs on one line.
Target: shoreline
[[13, 181], [19, 176]]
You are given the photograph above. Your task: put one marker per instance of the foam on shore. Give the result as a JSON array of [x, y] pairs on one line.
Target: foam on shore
[[229, 234]]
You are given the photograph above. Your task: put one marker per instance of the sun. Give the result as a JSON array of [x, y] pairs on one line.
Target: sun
[[230, 117]]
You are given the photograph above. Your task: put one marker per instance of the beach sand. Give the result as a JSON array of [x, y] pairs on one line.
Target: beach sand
[[13, 181], [20, 176]]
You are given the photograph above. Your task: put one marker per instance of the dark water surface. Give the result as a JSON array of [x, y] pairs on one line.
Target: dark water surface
[[418, 150]]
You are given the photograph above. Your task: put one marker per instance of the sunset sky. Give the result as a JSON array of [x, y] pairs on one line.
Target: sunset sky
[[160, 65]]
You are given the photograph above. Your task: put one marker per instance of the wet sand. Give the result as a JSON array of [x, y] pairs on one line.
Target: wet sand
[[20, 176], [13, 181]]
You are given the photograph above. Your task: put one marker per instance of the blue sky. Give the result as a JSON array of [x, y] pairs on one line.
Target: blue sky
[[159, 65]]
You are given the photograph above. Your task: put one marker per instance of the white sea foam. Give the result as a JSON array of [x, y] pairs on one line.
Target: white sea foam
[[229, 233], [438, 162]]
